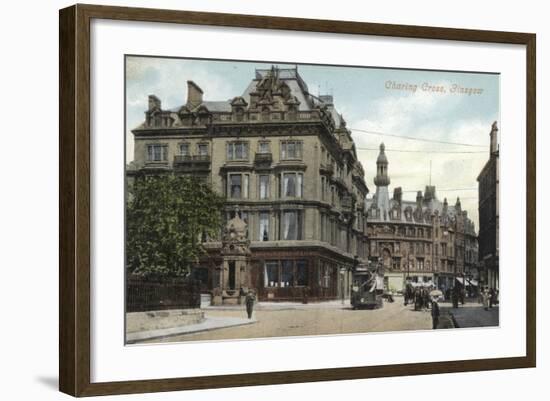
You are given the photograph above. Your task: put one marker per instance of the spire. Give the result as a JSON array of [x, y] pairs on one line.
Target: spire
[[458, 207], [382, 179]]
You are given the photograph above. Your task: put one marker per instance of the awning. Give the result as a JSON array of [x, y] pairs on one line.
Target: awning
[[468, 282]]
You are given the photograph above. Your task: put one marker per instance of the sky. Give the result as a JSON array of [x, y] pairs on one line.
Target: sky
[[435, 107]]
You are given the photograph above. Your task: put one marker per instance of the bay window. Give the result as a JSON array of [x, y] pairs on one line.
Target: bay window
[[292, 185], [291, 225], [264, 186], [263, 232], [238, 186]]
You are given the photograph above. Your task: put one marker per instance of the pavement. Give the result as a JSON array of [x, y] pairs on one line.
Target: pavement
[[335, 304], [296, 319], [471, 314], [210, 323]]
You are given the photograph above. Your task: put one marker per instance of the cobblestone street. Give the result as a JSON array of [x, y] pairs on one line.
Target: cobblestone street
[[312, 319]]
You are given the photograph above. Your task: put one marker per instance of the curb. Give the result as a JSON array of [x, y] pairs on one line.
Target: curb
[[453, 319], [137, 337]]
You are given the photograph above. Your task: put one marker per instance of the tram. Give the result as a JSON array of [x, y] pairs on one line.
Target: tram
[[367, 289]]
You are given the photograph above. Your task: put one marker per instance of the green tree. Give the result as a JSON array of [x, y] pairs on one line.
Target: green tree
[[166, 217]]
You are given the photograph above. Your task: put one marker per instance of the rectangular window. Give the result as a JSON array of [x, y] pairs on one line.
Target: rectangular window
[[264, 186], [291, 225], [202, 149], [245, 185], [263, 232], [184, 149], [237, 151], [271, 278], [301, 273], [287, 273], [291, 150], [292, 185], [235, 182], [157, 153], [238, 186], [263, 147]]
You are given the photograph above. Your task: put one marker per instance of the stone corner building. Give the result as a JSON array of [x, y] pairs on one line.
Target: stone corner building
[[287, 165], [424, 240], [488, 180]]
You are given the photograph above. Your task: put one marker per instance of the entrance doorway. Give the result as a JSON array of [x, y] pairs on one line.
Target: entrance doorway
[[231, 275]]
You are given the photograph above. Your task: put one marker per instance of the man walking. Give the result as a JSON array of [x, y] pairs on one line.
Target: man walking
[[435, 313], [249, 301]]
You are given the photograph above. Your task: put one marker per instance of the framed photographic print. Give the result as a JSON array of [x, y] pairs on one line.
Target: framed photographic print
[[250, 200]]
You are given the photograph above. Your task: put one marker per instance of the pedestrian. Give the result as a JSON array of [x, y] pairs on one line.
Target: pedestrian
[[426, 298], [435, 314], [249, 301], [492, 297], [486, 298], [454, 297]]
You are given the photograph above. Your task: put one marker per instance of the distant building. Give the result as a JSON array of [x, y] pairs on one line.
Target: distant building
[[422, 241], [488, 180], [287, 165]]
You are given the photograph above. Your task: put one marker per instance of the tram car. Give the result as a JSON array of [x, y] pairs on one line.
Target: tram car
[[367, 289]]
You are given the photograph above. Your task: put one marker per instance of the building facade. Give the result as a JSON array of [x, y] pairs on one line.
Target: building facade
[[422, 241], [488, 184], [286, 164]]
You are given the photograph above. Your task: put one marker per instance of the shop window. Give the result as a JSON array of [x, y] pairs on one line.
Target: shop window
[[287, 273], [271, 274], [301, 273]]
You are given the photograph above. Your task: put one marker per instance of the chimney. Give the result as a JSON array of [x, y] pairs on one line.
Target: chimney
[[154, 103], [419, 199], [398, 194], [493, 135], [194, 95], [327, 99], [429, 193]]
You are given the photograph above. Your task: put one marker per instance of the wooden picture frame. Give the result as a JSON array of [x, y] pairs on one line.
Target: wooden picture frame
[[74, 203]]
